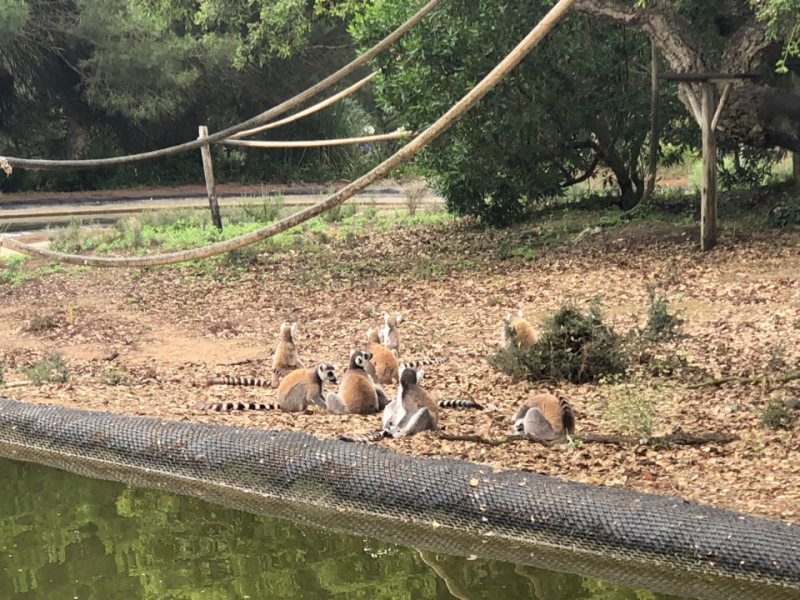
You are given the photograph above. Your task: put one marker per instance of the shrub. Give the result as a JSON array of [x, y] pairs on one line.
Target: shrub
[[630, 409], [777, 415], [39, 322], [53, 369], [414, 195], [267, 211], [2, 372], [782, 216], [339, 213], [113, 376], [574, 346], [660, 324]]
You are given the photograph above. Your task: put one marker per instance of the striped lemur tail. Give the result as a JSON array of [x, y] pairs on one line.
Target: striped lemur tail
[[567, 415], [232, 406], [375, 436], [459, 404], [415, 364], [243, 381]]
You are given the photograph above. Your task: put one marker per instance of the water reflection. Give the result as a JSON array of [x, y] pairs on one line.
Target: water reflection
[[63, 536]]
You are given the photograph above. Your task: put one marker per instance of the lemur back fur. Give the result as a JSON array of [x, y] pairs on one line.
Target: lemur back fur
[[524, 334], [358, 393], [546, 417], [390, 336], [286, 358]]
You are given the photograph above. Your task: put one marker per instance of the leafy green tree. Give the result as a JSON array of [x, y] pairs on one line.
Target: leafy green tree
[[558, 119]]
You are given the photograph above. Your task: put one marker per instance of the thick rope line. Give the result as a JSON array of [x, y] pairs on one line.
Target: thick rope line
[[379, 172], [317, 143], [68, 165], [308, 111]]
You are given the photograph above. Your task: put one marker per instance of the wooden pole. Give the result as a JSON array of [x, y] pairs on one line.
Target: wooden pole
[[708, 196], [208, 170], [654, 106]]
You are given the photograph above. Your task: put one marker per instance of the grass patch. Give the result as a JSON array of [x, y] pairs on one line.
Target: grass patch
[[339, 213], [13, 272], [53, 369], [574, 346], [630, 409], [661, 325], [113, 376], [777, 415], [2, 372]]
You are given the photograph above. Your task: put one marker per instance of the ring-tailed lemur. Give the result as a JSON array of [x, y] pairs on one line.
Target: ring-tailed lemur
[[296, 392], [545, 417], [524, 334], [390, 336], [286, 358], [358, 393]]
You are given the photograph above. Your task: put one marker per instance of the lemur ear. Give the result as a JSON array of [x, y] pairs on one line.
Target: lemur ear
[[352, 352], [399, 319], [420, 375], [508, 317]]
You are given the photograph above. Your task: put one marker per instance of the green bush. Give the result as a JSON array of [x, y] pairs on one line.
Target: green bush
[[660, 324], [113, 376], [339, 213], [777, 415], [782, 216], [2, 372], [574, 346], [53, 369]]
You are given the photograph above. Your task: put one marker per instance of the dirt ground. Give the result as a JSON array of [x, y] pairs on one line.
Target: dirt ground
[[159, 334]]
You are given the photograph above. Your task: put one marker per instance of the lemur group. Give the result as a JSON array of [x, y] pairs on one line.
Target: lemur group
[[545, 417]]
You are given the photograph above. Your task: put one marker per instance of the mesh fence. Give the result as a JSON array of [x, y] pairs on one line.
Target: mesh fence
[[454, 507]]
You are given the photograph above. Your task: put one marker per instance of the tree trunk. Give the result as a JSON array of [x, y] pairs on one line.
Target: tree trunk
[[756, 114]]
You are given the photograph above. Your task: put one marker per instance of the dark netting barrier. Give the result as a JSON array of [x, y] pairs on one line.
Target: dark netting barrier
[[454, 507]]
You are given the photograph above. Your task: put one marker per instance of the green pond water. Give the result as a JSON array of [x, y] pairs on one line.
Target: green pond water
[[63, 536]]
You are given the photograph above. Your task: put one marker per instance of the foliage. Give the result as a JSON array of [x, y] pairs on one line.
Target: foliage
[[574, 346], [53, 369], [630, 408], [2, 372], [113, 376], [777, 415], [38, 323], [661, 325], [414, 195], [782, 18], [339, 213], [523, 143], [783, 215], [267, 211]]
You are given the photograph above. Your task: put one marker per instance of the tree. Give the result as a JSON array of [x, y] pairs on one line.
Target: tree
[[561, 116], [730, 36]]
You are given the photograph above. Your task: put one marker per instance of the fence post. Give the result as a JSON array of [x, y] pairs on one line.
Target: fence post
[[211, 189]]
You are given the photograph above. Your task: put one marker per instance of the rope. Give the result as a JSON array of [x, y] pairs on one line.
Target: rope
[[317, 143], [308, 111], [67, 165], [400, 157]]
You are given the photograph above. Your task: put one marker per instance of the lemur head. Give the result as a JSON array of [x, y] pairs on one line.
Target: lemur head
[[359, 359], [410, 376], [372, 336], [327, 372], [288, 330]]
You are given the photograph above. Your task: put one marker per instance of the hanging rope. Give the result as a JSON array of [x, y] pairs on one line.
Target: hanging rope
[[318, 143], [401, 156], [308, 111], [68, 165]]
